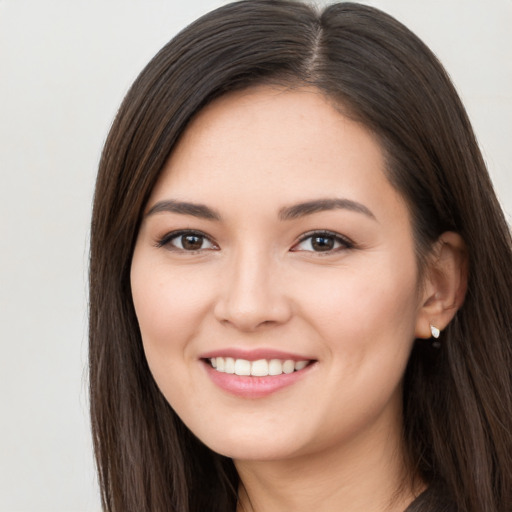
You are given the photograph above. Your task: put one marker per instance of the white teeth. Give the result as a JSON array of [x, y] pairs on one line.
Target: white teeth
[[229, 365], [242, 367], [275, 367], [288, 366], [299, 365], [259, 368]]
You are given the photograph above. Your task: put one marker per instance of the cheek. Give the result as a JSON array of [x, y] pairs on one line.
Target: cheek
[[168, 305], [162, 294], [366, 323], [364, 308]]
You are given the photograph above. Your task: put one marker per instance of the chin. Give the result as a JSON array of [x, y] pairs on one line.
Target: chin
[[250, 445], [254, 451]]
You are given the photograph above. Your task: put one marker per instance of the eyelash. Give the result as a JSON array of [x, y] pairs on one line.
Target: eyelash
[[167, 239], [343, 242]]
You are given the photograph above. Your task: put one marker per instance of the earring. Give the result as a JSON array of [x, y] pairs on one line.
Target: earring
[[435, 334]]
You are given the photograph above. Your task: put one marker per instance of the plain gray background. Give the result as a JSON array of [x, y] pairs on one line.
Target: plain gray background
[[64, 68]]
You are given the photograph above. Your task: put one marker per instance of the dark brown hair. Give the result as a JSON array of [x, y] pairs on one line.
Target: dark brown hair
[[458, 399]]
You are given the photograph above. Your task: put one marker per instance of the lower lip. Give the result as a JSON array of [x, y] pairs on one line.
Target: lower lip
[[254, 387]]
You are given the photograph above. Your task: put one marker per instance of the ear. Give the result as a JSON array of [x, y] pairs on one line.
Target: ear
[[444, 285]]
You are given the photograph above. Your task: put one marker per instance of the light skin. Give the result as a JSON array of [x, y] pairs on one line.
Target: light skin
[[273, 226]]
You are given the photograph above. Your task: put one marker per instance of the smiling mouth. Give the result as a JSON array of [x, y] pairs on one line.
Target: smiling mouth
[[258, 368]]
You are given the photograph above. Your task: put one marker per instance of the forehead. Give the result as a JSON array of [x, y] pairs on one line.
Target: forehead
[[265, 148], [269, 129]]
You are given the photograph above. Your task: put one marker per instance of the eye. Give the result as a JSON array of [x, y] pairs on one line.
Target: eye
[[188, 241], [322, 241]]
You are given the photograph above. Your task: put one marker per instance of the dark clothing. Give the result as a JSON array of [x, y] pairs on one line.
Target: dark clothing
[[432, 500]]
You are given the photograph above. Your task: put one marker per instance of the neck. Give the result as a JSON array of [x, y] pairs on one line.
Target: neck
[[358, 478]]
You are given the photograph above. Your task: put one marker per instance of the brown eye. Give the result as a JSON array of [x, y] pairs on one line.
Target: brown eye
[[323, 242], [188, 241], [191, 242]]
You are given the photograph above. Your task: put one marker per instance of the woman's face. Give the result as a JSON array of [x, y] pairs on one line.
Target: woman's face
[[274, 244]]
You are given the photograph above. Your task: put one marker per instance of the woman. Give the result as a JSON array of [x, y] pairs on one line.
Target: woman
[[300, 286]]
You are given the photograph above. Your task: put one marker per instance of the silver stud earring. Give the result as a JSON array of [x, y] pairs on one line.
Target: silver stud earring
[[435, 334]]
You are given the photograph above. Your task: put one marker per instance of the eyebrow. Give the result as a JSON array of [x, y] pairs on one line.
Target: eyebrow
[[321, 205], [287, 213], [196, 210]]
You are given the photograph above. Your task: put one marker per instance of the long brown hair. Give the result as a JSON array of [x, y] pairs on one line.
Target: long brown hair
[[457, 399]]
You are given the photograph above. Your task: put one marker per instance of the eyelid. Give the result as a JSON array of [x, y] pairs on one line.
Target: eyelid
[[346, 242]]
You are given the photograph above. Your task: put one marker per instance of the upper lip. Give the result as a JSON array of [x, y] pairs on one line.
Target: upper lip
[[255, 354]]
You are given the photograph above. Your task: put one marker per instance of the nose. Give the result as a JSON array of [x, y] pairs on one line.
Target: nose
[[252, 294]]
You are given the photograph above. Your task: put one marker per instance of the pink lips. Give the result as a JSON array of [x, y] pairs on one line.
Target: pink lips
[[250, 386], [254, 355]]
